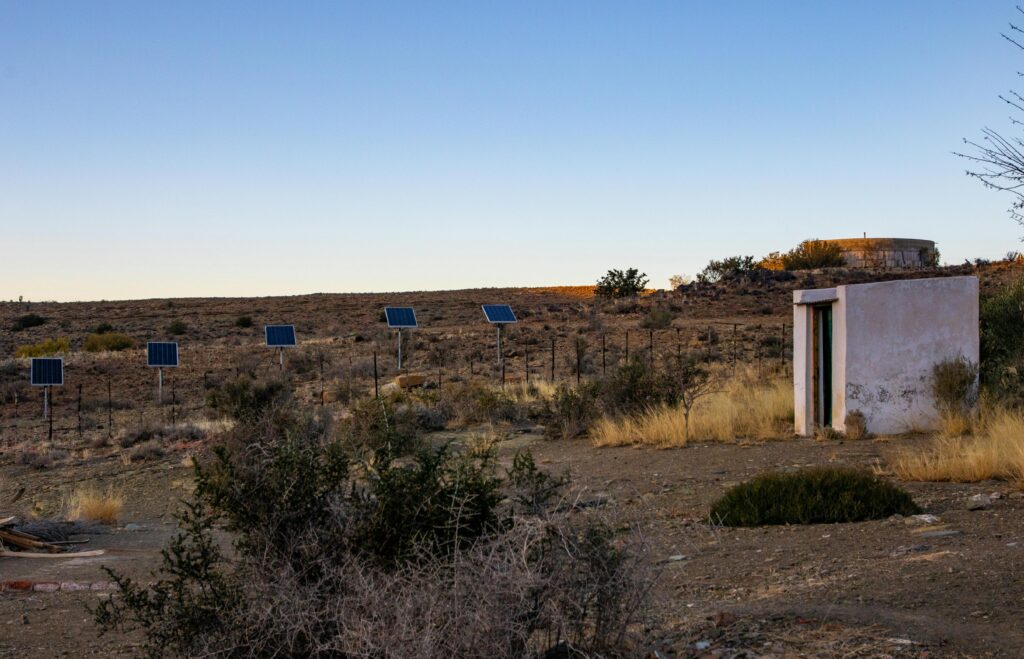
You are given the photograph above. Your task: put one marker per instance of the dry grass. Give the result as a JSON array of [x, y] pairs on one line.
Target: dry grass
[[994, 451], [90, 504], [533, 392], [481, 444], [747, 408]]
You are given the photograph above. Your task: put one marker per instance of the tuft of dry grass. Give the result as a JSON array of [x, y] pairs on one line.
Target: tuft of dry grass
[[994, 451], [90, 504], [747, 407], [536, 391], [482, 444]]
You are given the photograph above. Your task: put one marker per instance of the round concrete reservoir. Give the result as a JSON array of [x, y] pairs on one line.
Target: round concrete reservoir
[[887, 252]]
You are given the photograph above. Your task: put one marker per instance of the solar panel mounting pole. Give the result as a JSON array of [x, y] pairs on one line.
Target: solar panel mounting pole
[[160, 385], [399, 348], [46, 402], [501, 357], [281, 355]]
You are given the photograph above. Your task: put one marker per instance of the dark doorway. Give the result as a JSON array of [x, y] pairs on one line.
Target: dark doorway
[[823, 365]]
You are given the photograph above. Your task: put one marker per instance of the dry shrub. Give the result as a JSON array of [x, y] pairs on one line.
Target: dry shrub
[[856, 425], [480, 444], [90, 504], [495, 600], [46, 348], [747, 407], [995, 451]]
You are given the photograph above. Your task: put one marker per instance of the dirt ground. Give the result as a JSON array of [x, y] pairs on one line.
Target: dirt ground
[[898, 587]]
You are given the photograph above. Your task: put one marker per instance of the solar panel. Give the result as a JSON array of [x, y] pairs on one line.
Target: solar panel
[[400, 317], [280, 336], [162, 354], [499, 314], [47, 371]]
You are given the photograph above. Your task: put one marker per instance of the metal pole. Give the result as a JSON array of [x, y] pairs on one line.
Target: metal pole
[[501, 359], [281, 356], [527, 363], [577, 361], [79, 410], [376, 386], [399, 348], [320, 361], [552, 360], [46, 402], [160, 386], [49, 436]]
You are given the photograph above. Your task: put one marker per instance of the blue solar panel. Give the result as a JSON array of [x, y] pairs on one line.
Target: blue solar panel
[[47, 371], [280, 336], [400, 317], [499, 313], [162, 354]]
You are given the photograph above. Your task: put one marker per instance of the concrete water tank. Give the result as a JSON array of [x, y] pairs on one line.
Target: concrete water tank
[[887, 252]]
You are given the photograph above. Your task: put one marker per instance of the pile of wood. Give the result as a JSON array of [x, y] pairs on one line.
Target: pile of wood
[[17, 544]]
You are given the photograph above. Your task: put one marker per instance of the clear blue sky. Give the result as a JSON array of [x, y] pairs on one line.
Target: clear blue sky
[[237, 148]]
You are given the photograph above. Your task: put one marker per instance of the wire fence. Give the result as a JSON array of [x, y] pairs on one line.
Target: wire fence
[[110, 393]]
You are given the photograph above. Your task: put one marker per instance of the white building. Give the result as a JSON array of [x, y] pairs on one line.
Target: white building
[[871, 348]]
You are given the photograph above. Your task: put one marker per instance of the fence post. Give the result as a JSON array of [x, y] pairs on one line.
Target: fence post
[[110, 411], [552, 360], [376, 385], [79, 410]]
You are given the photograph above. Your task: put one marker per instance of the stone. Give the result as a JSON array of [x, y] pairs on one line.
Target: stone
[[676, 557], [922, 519], [46, 587], [943, 533], [979, 502], [71, 586]]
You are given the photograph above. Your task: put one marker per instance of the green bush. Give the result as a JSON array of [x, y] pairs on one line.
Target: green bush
[[108, 342], [245, 398], [27, 321], [821, 495], [177, 328], [570, 412], [619, 284], [657, 319], [728, 268], [322, 546], [812, 254], [243, 321], [1001, 318], [635, 387], [47, 348], [103, 328]]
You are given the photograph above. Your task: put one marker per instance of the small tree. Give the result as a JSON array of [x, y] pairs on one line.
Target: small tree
[[619, 284], [678, 281], [999, 158], [728, 268], [694, 381]]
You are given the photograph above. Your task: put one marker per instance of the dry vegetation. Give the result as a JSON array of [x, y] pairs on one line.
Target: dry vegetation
[[747, 407], [92, 505], [995, 450]]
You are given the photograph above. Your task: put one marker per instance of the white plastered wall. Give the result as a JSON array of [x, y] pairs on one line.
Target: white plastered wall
[[886, 337]]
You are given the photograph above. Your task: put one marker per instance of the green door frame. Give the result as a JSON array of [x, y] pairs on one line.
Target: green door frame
[[823, 365]]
